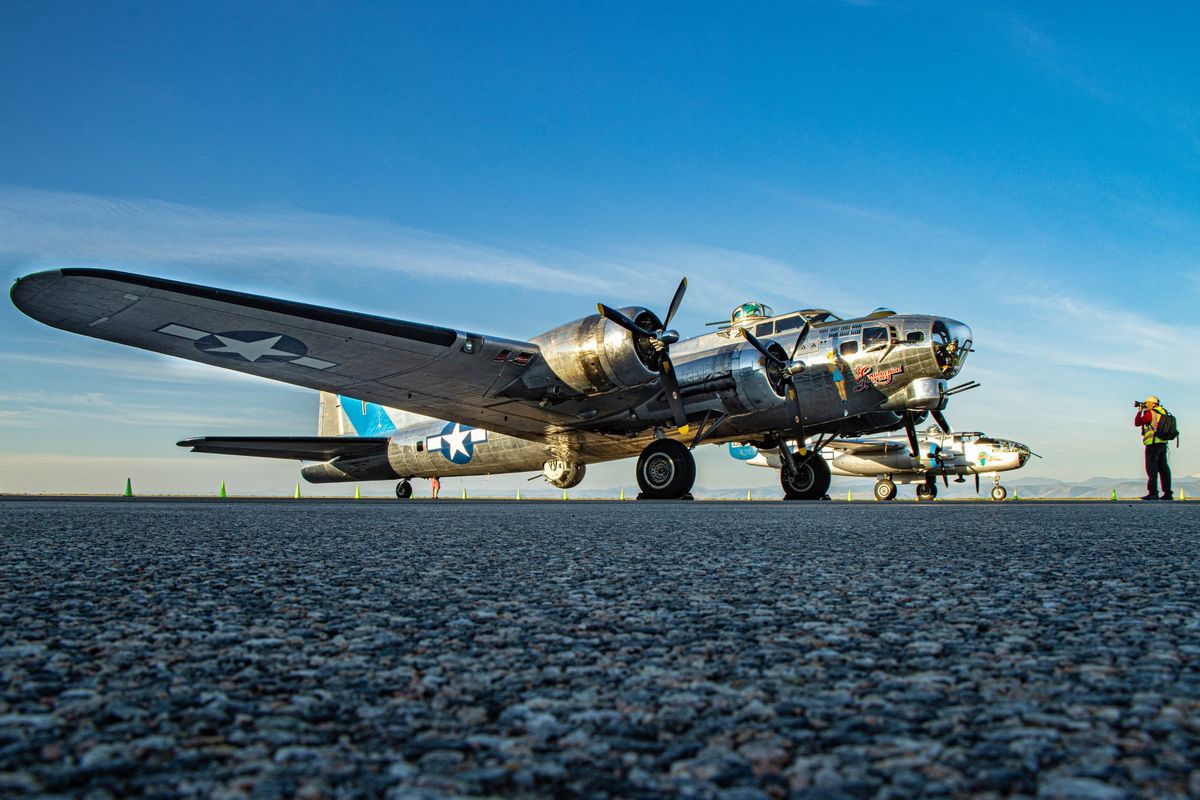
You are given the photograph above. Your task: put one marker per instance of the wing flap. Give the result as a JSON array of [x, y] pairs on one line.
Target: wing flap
[[303, 448]]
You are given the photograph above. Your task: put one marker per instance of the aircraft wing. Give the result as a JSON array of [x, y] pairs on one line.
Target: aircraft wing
[[304, 448], [431, 370]]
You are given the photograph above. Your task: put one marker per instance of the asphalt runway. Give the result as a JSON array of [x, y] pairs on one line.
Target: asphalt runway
[[722, 650]]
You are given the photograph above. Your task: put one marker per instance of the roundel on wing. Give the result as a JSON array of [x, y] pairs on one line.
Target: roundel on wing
[[252, 346]]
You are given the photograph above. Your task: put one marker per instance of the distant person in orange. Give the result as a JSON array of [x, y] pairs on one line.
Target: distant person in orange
[[435, 484]]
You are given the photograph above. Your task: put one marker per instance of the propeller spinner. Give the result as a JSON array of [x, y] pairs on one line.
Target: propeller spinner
[[660, 340]]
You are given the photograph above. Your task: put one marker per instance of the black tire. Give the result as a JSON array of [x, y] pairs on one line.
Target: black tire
[[885, 490], [810, 481], [665, 470], [926, 491], [403, 490], [999, 493]]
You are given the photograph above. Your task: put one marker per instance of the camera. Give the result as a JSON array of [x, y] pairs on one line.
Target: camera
[[1138, 404]]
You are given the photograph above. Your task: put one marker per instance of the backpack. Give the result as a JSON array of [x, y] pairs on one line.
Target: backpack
[[1167, 428]]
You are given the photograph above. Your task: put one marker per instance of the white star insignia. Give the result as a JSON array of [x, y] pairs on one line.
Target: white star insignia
[[251, 351], [456, 441]]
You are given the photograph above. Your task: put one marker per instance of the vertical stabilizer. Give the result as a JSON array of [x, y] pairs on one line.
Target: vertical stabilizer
[[330, 420]]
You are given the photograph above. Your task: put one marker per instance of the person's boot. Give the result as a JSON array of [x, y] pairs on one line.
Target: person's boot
[[1150, 497], [1168, 496]]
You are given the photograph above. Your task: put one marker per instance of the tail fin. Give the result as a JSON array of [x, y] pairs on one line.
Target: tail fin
[[330, 420]]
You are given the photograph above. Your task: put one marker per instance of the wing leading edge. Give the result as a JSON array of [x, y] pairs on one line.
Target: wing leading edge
[[427, 369]]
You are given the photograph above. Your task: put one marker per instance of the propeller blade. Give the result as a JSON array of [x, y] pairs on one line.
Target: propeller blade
[[671, 386], [910, 428], [797, 417], [940, 419], [976, 483], [675, 301], [945, 480], [762, 348], [625, 322], [800, 339]]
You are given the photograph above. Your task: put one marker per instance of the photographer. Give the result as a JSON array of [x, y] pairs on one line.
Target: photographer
[[1150, 413]]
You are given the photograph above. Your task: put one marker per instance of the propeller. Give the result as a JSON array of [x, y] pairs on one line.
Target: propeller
[[660, 340], [784, 372], [910, 428], [940, 419], [976, 483]]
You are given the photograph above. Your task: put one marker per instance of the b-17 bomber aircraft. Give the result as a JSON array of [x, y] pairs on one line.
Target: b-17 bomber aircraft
[[403, 400], [892, 461]]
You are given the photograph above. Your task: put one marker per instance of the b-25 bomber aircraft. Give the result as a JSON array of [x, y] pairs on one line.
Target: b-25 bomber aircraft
[[891, 461], [403, 400]]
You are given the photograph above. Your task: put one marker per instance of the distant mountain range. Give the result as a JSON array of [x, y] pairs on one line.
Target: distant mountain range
[[861, 488]]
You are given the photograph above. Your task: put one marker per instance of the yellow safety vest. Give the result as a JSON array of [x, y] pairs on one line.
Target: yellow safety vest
[[1149, 431]]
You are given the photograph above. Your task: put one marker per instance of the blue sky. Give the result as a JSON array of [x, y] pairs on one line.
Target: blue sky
[[1029, 169]]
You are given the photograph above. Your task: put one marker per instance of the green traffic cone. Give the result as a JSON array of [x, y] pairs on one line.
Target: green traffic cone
[[128, 487], [1182, 495], [622, 494], [222, 492], [297, 495], [518, 494], [464, 497], [564, 494], [357, 492], [1114, 494], [1016, 495], [748, 495], [849, 496]]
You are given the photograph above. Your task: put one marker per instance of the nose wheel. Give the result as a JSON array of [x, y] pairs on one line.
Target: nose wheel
[[926, 491], [665, 470], [999, 493], [403, 490]]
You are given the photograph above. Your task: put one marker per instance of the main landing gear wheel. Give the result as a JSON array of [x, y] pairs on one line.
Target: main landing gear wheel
[[926, 491], [665, 470], [999, 492], [403, 490], [810, 481], [885, 490]]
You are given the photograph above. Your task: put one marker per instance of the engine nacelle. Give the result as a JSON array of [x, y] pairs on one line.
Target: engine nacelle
[[736, 374], [563, 474], [593, 355]]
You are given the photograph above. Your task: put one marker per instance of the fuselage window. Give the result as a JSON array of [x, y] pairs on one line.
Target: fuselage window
[[849, 348], [915, 336], [764, 329], [874, 337]]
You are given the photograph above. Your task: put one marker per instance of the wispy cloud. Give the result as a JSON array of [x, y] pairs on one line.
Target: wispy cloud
[[45, 228], [1055, 60]]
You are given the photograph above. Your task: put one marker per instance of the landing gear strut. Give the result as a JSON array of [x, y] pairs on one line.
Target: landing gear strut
[[404, 490], [808, 481], [665, 470]]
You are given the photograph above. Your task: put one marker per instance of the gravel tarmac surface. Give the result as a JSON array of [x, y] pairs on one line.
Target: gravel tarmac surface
[[705, 650]]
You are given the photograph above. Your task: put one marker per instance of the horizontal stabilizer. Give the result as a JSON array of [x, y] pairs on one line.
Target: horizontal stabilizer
[[304, 448]]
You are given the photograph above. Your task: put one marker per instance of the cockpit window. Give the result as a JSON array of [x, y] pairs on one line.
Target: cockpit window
[[789, 324], [874, 337]]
